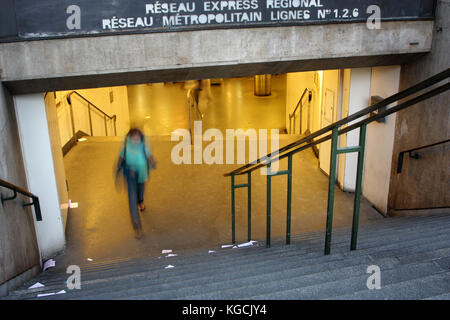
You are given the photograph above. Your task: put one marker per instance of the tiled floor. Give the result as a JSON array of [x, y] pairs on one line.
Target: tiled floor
[[162, 108], [189, 206]]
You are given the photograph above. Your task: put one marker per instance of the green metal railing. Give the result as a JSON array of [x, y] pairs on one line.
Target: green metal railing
[[334, 131]]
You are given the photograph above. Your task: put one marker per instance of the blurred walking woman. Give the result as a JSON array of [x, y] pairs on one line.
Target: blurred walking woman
[[136, 160]]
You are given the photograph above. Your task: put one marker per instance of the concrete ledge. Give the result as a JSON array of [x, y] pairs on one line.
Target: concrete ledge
[[171, 56], [194, 73], [17, 281]]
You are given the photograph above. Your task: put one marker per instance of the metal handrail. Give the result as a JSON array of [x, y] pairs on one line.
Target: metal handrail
[[16, 189], [416, 156], [377, 106], [299, 106], [105, 115], [334, 132]]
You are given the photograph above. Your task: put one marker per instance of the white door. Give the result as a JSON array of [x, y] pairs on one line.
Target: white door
[[329, 114]]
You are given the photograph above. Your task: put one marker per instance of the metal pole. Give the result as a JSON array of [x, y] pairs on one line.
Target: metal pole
[[294, 124], [331, 187], [289, 201], [249, 190], [115, 125], [290, 124], [71, 116], [269, 185], [358, 190], [300, 116], [106, 127], [233, 224], [90, 119]]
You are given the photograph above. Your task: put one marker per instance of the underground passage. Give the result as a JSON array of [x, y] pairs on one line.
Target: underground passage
[[224, 150]]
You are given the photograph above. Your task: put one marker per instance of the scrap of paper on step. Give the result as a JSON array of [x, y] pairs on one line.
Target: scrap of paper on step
[[227, 246], [166, 251], [211, 251], [45, 294], [36, 285], [89, 259], [49, 264], [247, 244], [169, 267], [171, 255], [50, 294]]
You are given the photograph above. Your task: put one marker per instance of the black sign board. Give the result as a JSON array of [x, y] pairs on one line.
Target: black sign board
[[22, 20]]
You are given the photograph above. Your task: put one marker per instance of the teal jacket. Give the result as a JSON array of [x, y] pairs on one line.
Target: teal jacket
[[135, 159]]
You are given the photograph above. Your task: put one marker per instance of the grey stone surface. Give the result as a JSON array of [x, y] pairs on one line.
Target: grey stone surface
[[133, 59], [18, 244], [298, 271], [424, 183]]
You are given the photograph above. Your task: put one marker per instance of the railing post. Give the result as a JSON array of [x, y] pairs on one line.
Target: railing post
[[233, 212], [294, 125], [269, 186], [90, 119], [331, 188], [300, 117], [290, 124], [37, 209], [106, 127], [72, 121], [358, 190], [249, 192], [115, 125], [289, 201]]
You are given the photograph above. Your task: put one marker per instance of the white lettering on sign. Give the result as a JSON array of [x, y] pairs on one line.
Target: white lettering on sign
[[286, 4], [230, 5], [74, 21], [127, 23], [157, 7], [168, 14]]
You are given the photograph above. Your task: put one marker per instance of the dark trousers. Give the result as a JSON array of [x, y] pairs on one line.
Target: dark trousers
[[135, 196]]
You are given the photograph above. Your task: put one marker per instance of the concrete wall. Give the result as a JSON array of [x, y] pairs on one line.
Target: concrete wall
[[424, 183], [101, 98], [329, 112], [385, 82], [18, 245], [57, 155], [345, 99], [358, 100], [208, 54], [41, 174]]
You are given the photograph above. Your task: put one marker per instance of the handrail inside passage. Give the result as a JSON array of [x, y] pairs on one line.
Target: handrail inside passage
[[298, 106], [405, 98], [16, 190], [300, 145], [97, 108]]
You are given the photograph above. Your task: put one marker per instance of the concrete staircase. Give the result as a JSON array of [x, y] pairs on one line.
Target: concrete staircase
[[413, 254]]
